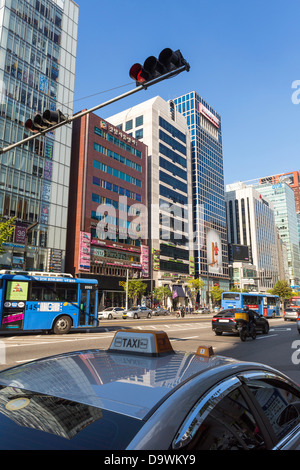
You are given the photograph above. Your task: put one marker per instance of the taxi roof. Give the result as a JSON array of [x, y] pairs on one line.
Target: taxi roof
[[125, 383]]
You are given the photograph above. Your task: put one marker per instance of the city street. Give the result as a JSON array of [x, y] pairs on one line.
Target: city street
[[278, 349]]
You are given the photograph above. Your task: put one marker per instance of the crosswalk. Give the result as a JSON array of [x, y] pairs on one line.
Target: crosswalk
[[21, 341], [176, 326]]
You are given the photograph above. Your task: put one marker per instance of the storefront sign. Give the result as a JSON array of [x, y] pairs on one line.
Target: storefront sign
[[84, 251], [145, 260]]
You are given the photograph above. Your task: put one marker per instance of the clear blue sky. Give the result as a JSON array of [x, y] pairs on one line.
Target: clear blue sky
[[244, 57]]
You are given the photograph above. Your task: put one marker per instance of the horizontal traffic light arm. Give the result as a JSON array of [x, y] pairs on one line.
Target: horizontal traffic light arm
[[69, 120]]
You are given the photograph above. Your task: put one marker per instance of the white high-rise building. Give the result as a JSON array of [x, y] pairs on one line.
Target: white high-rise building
[[38, 41], [165, 132], [251, 222]]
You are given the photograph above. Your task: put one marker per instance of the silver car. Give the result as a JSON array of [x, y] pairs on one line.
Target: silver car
[[140, 394], [138, 312], [291, 313], [160, 311], [111, 312]]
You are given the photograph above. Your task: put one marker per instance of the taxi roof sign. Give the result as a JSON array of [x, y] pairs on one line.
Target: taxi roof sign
[[141, 342], [206, 351]]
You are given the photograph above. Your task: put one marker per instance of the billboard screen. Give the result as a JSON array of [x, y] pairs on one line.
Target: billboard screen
[[240, 252]]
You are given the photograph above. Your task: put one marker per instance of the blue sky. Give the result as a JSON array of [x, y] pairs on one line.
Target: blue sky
[[244, 57]]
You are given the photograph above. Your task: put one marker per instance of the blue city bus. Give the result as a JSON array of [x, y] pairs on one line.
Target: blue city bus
[[47, 301], [266, 305]]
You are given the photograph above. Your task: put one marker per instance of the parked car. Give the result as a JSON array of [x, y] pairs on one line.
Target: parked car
[[225, 321], [291, 313], [203, 310], [182, 402], [138, 312], [160, 311], [111, 312]]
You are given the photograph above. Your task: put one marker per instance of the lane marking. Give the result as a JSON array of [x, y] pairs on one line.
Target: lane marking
[[265, 337]]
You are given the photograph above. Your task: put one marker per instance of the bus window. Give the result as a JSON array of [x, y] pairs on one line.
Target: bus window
[[36, 291], [250, 299], [270, 301], [66, 293], [53, 292]]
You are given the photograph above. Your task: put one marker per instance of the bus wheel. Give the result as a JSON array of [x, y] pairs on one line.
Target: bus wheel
[[62, 325]]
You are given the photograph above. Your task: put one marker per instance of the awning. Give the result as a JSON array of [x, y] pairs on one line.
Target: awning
[[178, 292]]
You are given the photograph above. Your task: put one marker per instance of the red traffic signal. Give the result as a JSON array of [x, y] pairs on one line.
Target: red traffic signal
[[29, 126], [167, 61]]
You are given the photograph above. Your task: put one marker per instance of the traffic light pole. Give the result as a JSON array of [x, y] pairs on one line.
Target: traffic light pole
[[69, 120]]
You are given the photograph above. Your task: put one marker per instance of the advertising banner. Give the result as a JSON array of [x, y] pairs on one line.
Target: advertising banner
[[17, 290], [214, 252]]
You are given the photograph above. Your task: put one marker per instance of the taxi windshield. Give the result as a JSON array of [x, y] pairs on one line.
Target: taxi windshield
[[41, 422]]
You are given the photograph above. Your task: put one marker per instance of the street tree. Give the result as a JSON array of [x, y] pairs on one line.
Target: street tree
[[162, 293], [194, 285], [283, 290], [136, 288], [216, 294], [6, 231]]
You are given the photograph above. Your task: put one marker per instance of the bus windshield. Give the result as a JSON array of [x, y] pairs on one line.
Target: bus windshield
[[231, 296]]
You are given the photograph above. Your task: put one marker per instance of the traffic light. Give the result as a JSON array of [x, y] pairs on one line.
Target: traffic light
[[45, 121], [167, 61]]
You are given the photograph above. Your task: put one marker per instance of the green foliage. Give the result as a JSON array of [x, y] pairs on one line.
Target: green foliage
[[194, 285], [136, 288], [6, 231], [162, 292], [216, 294], [236, 289], [283, 290]]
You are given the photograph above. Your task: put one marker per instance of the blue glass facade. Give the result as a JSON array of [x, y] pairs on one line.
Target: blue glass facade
[[37, 72], [208, 184]]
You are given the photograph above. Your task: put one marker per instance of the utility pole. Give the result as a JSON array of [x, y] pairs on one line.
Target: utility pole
[[28, 229]]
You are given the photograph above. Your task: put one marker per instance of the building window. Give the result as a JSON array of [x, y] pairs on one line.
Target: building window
[[139, 134], [139, 121], [128, 125]]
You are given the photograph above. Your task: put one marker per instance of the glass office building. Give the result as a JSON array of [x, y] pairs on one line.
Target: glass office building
[[209, 218], [283, 198], [38, 42]]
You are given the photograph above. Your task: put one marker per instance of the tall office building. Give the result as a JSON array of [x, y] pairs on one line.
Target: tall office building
[[165, 132], [211, 253], [283, 198], [252, 230], [108, 190], [293, 180], [38, 40]]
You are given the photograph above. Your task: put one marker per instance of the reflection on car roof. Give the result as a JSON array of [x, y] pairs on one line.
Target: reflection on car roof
[[124, 383]]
